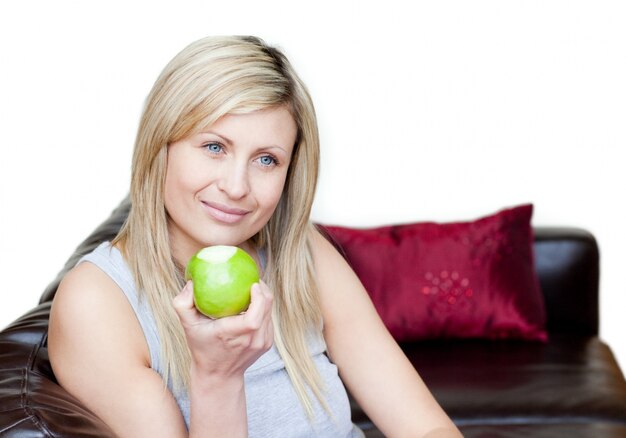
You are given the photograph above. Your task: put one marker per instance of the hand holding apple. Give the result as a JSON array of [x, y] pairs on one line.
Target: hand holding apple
[[222, 277]]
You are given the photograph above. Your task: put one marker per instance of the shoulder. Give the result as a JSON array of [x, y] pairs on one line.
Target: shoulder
[[84, 281], [324, 253], [91, 287], [342, 296], [84, 287], [86, 290], [90, 309], [329, 264]]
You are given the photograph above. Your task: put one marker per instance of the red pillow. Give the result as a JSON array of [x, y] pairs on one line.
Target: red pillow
[[452, 280]]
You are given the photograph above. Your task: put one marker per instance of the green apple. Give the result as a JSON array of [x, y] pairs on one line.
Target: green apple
[[222, 278]]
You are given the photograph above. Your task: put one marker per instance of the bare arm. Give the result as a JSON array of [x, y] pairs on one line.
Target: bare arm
[[99, 354], [388, 388]]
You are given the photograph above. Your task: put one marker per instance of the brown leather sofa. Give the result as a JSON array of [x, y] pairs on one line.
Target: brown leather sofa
[[570, 386]]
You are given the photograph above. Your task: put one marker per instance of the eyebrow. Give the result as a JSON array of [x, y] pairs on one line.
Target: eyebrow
[[230, 142], [223, 137]]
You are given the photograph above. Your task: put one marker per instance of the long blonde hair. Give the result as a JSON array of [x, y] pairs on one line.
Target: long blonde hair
[[210, 78]]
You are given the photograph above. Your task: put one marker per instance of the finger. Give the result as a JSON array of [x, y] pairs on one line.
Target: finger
[[269, 334], [256, 312], [266, 332], [269, 296], [183, 303]]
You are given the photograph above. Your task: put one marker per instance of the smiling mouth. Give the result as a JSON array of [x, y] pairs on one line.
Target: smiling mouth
[[223, 213]]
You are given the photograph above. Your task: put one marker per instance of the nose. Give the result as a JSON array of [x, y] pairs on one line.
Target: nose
[[234, 180]]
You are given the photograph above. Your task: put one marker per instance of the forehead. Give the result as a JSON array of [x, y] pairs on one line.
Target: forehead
[[269, 125]]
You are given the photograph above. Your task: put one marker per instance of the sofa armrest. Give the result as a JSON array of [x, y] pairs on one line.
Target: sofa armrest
[[31, 401], [567, 263]]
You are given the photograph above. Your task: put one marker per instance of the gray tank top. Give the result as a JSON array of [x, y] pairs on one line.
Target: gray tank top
[[274, 409]]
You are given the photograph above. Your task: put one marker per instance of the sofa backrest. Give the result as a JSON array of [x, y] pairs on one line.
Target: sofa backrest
[[567, 263], [566, 260], [106, 231]]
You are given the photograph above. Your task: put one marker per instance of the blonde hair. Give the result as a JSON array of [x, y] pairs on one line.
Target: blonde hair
[[210, 78]]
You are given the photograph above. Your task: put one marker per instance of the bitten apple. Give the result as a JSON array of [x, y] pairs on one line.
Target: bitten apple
[[222, 277]]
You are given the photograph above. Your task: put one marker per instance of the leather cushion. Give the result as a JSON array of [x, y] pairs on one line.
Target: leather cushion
[[545, 430], [569, 379]]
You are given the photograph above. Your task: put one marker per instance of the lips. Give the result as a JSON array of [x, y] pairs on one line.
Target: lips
[[224, 213]]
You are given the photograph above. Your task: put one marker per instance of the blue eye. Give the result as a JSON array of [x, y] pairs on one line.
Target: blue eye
[[266, 160], [215, 148]]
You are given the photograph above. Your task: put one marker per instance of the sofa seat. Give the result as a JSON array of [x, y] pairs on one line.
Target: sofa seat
[[548, 430], [566, 383]]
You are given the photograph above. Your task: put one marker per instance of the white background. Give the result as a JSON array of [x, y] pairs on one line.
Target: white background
[[442, 110]]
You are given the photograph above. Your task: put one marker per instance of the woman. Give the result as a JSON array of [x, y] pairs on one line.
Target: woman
[[227, 153]]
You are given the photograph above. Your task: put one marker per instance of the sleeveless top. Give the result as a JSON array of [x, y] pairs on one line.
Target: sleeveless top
[[273, 407]]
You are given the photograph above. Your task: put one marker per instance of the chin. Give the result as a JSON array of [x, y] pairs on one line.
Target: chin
[[225, 238]]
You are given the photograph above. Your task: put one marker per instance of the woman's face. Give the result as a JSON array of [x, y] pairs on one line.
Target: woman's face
[[223, 184]]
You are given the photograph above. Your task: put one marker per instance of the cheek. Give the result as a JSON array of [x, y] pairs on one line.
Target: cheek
[[178, 191], [271, 193], [172, 185], [182, 177]]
